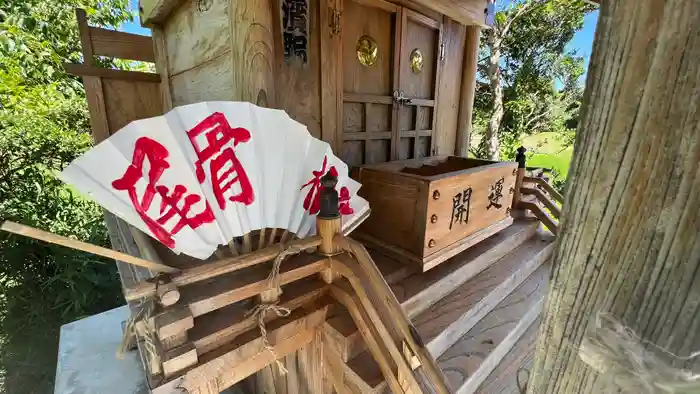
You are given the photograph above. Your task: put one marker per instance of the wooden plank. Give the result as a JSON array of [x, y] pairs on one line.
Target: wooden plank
[[204, 297], [162, 67], [395, 313], [468, 90], [121, 45], [544, 199], [156, 11], [467, 12], [420, 291], [252, 57], [398, 34], [366, 98], [31, 232], [381, 4], [209, 81], [503, 348], [446, 321], [331, 69], [515, 365], [219, 327], [193, 37], [225, 266], [83, 70], [547, 187], [334, 365], [93, 85], [378, 353], [451, 317], [364, 136], [422, 19], [541, 215], [239, 359], [126, 101], [299, 84], [96, 106], [469, 361], [368, 311]]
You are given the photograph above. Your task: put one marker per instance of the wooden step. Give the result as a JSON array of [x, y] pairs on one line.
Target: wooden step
[[462, 310], [420, 290], [518, 362], [468, 362]]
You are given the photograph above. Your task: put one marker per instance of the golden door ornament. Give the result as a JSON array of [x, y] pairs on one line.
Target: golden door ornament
[[416, 60], [367, 51]]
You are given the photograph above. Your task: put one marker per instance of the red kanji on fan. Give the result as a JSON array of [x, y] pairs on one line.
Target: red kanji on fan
[[147, 149], [218, 133], [312, 201]]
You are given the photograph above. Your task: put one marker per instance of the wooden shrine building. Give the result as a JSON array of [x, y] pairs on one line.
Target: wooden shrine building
[[466, 260]]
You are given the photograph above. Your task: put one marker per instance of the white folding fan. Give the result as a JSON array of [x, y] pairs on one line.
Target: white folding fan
[[205, 173]]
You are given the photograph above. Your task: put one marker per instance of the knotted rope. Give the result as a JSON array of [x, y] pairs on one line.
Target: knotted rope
[[273, 278], [259, 312], [144, 311], [634, 364]]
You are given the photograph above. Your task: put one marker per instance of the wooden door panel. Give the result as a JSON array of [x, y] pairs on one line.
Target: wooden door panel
[[363, 20], [424, 39], [368, 104], [417, 114]]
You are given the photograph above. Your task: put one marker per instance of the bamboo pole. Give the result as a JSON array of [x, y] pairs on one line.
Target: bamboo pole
[[35, 233]]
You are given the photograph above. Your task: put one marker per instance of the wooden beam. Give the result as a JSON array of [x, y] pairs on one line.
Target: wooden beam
[[629, 245], [541, 197], [221, 267], [546, 186], [402, 324], [468, 91], [83, 70], [540, 214], [35, 233], [121, 45], [467, 12], [155, 12]]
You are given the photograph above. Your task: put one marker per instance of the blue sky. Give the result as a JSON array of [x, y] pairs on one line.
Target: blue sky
[[582, 41]]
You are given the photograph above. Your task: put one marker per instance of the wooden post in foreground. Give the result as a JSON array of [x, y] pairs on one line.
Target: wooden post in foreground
[[468, 90], [630, 236]]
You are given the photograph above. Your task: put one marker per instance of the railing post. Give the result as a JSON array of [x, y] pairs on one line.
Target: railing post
[[328, 222], [520, 174]]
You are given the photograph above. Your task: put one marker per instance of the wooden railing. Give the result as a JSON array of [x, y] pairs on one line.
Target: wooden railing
[[404, 347], [545, 202]]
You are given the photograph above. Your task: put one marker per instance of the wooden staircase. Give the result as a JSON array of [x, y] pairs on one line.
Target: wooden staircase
[[470, 311]]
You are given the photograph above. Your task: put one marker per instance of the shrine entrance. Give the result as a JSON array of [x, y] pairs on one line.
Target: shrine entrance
[[391, 58]]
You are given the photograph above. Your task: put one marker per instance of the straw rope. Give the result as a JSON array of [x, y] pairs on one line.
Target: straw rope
[[144, 312], [259, 312], [634, 364]]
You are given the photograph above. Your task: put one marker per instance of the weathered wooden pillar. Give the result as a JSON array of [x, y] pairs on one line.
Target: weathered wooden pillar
[[466, 100], [630, 236]]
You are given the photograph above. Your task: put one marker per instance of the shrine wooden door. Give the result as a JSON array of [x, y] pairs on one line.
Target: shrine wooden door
[[390, 69]]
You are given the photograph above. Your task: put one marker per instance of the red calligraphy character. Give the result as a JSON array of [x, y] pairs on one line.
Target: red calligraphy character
[[225, 168], [147, 149], [344, 202], [312, 201]]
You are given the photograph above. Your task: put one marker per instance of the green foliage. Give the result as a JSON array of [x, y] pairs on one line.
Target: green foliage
[[44, 125], [542, 91]]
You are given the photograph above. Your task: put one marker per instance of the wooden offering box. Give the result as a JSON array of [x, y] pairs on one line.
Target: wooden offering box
[[426, 210]]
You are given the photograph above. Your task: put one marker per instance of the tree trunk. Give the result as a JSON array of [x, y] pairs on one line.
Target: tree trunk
[[630, 236], [494, 74]]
